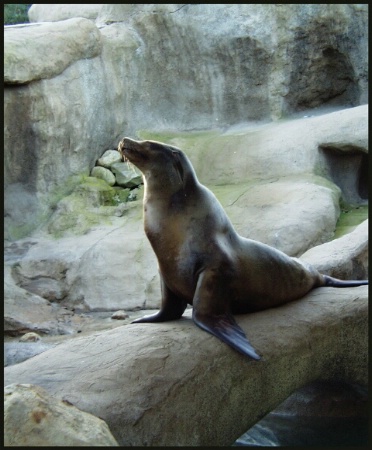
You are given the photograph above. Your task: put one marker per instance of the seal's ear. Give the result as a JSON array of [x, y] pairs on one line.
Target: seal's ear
[[178, 165]]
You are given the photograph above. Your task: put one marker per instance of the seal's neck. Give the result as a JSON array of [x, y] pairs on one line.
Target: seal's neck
[[167, 184]]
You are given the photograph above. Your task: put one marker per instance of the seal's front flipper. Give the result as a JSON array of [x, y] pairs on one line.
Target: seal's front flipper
[[172, 307], [211, 312], [225, 328]]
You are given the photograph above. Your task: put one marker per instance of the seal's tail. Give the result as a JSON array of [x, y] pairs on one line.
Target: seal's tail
[[335, 282]]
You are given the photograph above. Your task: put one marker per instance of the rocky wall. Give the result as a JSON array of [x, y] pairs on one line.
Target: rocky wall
[[76, 84]]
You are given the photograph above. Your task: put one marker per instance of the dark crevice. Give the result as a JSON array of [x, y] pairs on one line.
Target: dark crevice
[[347, 167]]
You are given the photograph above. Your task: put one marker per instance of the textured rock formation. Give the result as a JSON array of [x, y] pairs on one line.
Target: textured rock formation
[[32, 418], [102, 260], [156, 67], [92, 272], [53, 12], [345, 257], [45, 50], [173, 384]]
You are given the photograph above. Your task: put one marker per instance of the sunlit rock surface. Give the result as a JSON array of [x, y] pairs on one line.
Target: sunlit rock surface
[[153, 383]]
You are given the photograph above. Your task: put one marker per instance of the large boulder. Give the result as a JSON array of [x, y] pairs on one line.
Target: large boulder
[[33, 418], [345, 257], [45, 50], [53, 12], [174, 384], [292, 214], [278, 149], [25, 310]]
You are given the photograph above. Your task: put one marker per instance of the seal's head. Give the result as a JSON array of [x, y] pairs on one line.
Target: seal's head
[[161, 164]]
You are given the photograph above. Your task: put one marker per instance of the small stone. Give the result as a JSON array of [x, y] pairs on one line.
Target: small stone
[[120, 315], [30, 337], [103, 174], [120, 210], [109, 158], [126, 176]]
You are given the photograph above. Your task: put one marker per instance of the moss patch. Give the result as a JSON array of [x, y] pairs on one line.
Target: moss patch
[[65, 188], [167, 136], [90, 204], [350, 218]]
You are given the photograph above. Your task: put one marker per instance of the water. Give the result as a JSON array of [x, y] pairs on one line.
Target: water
[[320, 414]]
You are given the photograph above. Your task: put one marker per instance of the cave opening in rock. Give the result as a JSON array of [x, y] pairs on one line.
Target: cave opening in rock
[[325, 77], [347, 167]]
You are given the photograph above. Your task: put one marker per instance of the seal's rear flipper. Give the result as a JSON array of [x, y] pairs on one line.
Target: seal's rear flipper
[[225, 328], [335, 282]]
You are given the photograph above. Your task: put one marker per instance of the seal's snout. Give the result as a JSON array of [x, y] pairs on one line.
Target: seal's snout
[[131, 150], [124, 145]]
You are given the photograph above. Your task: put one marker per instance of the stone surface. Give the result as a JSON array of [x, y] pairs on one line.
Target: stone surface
[[252, 56], [274, 150], [53, 12], [113, 266], [247, 64], [16, 352], [90, 204], [151, 386], [103, 174], [292, 214], [33, 418], [109, 158], [27, 312], [240, 155], [24, 311], [45, 50], [345, 257], [126, 175]]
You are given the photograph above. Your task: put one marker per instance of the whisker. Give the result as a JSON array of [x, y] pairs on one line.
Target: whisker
[[120, 150]]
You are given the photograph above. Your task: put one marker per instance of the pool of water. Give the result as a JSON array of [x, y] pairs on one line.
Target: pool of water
[[320, 414]]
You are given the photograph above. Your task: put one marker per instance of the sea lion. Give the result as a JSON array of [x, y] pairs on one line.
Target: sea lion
[[202, 259]]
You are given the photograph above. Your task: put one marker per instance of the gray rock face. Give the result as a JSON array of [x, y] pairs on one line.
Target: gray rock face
[[237, 63], [345, 257], [45, 50], [38, 13], [32, 418], [153, 383], [16, 352]]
